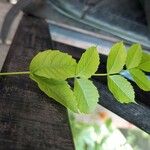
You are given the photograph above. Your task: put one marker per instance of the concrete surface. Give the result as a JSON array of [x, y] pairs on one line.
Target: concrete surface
[[4, 7]]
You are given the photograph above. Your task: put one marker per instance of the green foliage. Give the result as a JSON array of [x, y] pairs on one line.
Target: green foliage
[[116, 58], [58, 90], [136, 62], [140, 78], [134, 56], [86, 94], [53, 64], [119, 86], [97, 136], [121, 89], [88, 64], [145, 62], [52, 69]]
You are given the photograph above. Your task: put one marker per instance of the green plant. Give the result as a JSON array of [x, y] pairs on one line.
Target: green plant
[[96, 135], [52, 69]]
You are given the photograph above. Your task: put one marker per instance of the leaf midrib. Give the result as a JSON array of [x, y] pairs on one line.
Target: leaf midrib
[[122, 90], [132, 62], [41, 64], [83, 70], [84, 95], [109, 72], [148, 61], [53, 91], [141, 81]]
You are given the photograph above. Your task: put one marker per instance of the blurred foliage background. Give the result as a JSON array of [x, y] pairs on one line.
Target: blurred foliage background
[[106, 136]]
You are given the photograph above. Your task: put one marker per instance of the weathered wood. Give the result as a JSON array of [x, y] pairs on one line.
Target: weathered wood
[[28, 118]]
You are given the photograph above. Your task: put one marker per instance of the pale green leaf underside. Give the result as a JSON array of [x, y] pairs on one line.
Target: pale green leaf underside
[[58, 90], [140, 78], [88, 64], [134, 56], [86, 94], [116, 58], [121, 89], [145, 63], [53, 64]]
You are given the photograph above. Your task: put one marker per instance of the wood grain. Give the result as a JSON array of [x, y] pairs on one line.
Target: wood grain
[[29, 120]]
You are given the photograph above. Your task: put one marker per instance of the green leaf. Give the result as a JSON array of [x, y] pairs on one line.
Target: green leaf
[[134, 56], [140, 78], [121, 89], [145, 63], [53, 64], [58, 90], [86, 94], [88, 64], [116, 58]]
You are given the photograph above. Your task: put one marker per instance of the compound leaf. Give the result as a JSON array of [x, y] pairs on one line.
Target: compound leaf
[[121, 89], [88, 64], [145, 62], [116, 58], [86, 94], [134, 56], [58, 90], [53, 64], [140, 79]]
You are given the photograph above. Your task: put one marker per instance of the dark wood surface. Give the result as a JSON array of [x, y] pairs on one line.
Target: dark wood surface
[[29, 120]]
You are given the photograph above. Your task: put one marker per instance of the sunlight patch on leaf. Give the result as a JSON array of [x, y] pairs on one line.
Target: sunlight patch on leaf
[[121, 89], [58, 90], [86, 94], [53, 64], [116, 58], [88, 64], [145, 62], [134, 56], [140, 79]]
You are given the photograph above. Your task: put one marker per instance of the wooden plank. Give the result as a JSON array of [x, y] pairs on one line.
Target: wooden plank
[[28, 118]]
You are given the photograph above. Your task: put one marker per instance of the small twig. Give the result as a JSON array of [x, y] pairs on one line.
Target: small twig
[[13, 73]]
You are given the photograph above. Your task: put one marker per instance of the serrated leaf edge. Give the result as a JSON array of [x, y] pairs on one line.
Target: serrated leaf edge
[[123, 92]]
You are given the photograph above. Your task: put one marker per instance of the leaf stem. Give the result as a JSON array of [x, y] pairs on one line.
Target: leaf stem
[[13, 73], [103, 74]]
